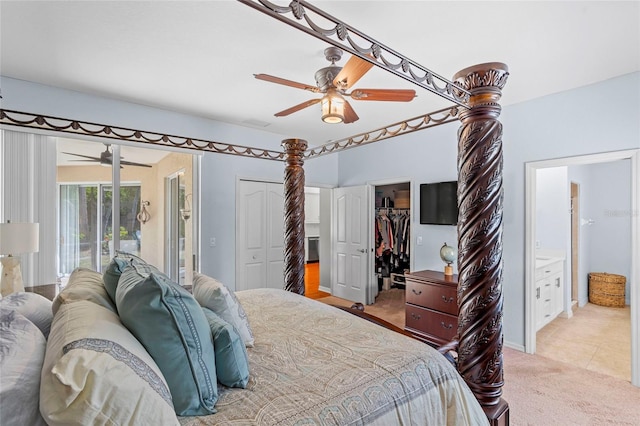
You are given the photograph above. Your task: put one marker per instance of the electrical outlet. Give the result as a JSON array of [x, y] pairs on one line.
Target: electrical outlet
[[537, 244], [212, 242], [419, 240]]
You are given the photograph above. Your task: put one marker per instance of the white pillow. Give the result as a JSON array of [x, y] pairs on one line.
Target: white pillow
[[22, 347], [84, 284], [214, 295], [96, 372], [36, 308]]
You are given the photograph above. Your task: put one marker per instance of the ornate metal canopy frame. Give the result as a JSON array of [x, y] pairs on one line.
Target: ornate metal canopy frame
[[361, 45], [421, 122], [83, 128]]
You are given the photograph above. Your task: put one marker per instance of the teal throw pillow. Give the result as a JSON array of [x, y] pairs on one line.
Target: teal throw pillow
[[112, 274], [232, 363], [171, 326]]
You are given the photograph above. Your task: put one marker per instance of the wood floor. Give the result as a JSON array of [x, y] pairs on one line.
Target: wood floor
[[312, 281]]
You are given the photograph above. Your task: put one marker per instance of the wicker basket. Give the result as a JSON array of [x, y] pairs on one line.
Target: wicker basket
[[606, 289]]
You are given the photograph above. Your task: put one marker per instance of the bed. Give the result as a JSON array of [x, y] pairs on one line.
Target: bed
[[476, 92], [330, 367]]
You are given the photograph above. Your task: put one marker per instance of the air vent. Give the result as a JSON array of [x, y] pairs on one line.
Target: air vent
[[256, 123]]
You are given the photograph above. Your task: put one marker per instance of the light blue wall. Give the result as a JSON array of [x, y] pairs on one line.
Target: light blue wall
[[420, 157], [40, 99], [609, 205], [219, 172], [598, 118]]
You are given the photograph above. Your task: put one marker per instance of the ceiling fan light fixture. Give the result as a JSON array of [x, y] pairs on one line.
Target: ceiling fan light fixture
[[332, 107]]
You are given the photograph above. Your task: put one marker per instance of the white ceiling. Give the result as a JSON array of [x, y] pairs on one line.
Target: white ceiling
[[199, 57]]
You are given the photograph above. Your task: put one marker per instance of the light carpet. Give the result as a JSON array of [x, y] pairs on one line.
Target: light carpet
[[542, 391]]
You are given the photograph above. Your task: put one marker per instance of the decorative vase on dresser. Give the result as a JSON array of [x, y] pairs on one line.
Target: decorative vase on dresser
[[431, 306]]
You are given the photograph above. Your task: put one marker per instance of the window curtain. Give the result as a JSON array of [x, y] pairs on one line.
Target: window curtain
[[28, 192]]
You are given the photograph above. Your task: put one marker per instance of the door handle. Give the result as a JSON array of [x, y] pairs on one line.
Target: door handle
[[537, 292], [362, 250]]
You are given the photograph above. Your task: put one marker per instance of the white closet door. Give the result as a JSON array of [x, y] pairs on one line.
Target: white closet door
[[260, 245]]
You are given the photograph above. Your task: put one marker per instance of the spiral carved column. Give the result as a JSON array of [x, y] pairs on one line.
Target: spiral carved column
[[480, 196], [294, 215]]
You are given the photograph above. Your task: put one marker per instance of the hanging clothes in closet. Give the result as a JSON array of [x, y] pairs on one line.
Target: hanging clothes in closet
[[392, 234]]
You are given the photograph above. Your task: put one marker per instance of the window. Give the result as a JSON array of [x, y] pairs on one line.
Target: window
[[85, 224]]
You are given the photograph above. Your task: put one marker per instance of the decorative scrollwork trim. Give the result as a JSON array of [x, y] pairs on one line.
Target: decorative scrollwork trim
[[64, 125], [361, 45], [421, 122]]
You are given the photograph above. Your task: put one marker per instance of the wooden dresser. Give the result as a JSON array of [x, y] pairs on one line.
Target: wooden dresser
[[431, 306]]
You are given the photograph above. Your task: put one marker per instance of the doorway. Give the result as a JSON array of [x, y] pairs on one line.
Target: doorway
[[317, 242], [633, 251], [575, 241]]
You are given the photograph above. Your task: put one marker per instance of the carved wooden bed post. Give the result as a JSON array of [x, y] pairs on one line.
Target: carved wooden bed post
[[480, 238], [294, 215]]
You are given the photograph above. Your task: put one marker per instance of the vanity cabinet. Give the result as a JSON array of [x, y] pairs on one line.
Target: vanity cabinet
[[549, 288], [431, 309]]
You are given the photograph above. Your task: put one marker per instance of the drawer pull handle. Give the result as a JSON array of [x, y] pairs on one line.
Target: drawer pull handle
[[415, 316], [447, 300], [417, 293], [446, 326]]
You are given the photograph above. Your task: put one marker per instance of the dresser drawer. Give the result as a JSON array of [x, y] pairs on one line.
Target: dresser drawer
[[432, 296], [442, 326]]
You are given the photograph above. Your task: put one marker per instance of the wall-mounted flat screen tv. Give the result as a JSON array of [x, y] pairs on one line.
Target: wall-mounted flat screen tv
[[439, 203]]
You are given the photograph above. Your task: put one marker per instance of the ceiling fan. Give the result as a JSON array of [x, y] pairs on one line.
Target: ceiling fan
[[334, 82], [106, 158]]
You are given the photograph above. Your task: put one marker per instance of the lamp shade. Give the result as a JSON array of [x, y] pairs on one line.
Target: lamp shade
[[17, 238], [332, 107]]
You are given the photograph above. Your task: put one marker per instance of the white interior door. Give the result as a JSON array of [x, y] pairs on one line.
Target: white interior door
[[260, 244], [351, 242]]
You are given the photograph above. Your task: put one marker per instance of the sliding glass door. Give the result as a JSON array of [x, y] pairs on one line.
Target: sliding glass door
[[152, 202], [86, 234]]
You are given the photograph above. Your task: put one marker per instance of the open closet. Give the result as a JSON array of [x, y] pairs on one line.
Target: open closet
[[392, 234]]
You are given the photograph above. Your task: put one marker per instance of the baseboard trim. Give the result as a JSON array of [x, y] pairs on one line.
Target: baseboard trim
[[514, 346], [325, 289]]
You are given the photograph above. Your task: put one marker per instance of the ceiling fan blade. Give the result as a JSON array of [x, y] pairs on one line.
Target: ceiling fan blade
[[297, 107], [131, 163], [349, 114], [290, 83], [83, 156], [398, 95], [352, 71]]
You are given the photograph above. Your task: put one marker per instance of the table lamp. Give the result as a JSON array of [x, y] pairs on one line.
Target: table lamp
[[15, 239]]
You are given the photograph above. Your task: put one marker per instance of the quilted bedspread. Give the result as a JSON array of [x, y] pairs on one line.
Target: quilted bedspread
[[313, 364]]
